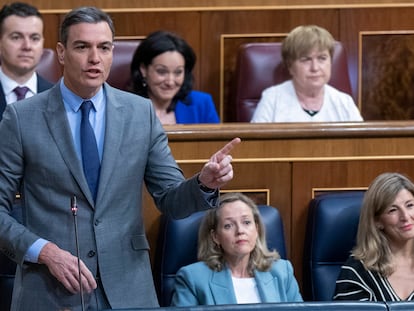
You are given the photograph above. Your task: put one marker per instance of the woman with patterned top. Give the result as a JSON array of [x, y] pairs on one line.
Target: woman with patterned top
[[381, 266]]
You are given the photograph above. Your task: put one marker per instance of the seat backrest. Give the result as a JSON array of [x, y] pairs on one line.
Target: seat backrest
[[49, 66], [331, 230], [8, 269], [177, 246], [120, 73], [259, 65]]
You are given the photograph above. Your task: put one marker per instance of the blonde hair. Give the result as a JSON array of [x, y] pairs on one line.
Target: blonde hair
[[302, 39], [372, 245], [260, 258]]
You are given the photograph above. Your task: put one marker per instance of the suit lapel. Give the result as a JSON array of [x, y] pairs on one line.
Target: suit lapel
[[2, 101], [59, 128], [222, 288], [42, 84], [266, 287], [223, 293], [113, 137], [57, 122]]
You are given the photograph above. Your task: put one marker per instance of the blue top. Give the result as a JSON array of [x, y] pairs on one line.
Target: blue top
[[201, 109], [197, 284]]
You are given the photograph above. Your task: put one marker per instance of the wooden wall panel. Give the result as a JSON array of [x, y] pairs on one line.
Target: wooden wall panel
[[51, 31], [164, 5], [353, 22]]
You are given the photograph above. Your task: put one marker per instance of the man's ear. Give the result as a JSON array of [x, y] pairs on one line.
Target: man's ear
[[60, 50]]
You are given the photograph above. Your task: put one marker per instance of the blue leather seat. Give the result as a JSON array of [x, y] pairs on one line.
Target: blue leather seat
[[177, 246], [330, 235]]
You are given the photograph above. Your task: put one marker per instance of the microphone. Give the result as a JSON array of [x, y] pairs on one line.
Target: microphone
[[74, 209]]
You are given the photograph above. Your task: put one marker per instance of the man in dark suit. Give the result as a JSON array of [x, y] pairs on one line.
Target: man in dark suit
[[21, 47], [43, 148]]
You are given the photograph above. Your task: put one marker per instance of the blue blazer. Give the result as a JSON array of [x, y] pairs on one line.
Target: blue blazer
[[199, 108], [197, 284], [42, 85]]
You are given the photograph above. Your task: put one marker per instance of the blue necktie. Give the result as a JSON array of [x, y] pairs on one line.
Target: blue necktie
[[89, 148]]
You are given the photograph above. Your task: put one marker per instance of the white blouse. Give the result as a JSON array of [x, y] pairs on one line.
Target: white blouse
[[246, 290]]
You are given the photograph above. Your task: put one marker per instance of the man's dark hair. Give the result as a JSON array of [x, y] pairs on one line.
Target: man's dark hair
[[90, 15], [19, 9]]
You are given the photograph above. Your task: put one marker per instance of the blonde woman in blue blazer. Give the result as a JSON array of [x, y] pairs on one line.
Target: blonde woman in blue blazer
[[235, 265]]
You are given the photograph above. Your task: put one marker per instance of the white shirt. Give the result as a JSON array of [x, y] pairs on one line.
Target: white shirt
[[280, 103], [246, 290], [9, 85]]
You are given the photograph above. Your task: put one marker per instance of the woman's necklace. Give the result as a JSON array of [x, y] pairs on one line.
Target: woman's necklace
[[311, 105], [310, 112]]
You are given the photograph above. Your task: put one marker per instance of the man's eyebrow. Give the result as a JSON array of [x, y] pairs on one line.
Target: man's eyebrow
[[80, 42], [16, 32], [89, 43], [106, 43]]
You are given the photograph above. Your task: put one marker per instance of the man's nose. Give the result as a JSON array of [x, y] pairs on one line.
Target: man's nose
[[93, 55], [27, 42]]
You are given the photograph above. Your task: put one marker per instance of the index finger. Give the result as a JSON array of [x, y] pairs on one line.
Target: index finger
[[219, 155]]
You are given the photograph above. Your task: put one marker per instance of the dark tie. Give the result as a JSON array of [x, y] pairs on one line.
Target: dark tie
[[20, 92], [89, 148]]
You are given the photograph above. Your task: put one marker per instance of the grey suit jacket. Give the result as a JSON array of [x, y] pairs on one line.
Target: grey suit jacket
[[37, 149]]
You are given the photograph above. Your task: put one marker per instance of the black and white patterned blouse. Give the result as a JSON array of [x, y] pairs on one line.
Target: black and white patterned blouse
[[357, 283]]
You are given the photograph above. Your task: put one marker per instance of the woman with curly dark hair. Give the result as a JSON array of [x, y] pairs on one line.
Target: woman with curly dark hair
[[161, 70]]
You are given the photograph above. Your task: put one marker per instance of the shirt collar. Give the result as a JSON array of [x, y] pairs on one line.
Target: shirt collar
[[74, 101], [9, 84]]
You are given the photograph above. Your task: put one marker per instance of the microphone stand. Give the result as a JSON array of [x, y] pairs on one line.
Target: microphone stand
[[74, 209]]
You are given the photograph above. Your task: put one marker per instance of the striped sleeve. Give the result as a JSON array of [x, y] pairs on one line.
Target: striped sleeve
[[352, 284]]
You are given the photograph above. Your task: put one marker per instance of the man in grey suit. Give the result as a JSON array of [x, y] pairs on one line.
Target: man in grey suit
[[21, 47], [43, 150]]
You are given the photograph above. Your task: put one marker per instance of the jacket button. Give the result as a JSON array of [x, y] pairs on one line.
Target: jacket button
[[91, 253]]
